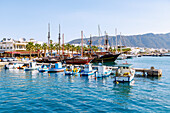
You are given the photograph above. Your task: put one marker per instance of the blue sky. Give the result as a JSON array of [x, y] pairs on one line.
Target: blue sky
[[30, 18]]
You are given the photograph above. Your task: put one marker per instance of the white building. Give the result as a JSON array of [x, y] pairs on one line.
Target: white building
[[8, 44]]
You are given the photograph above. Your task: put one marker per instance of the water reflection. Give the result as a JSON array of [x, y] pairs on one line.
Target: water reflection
[[123, 88]]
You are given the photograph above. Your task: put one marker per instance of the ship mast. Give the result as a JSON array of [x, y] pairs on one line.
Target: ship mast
[[81, 43], [59, 39], [120, 43], [48, 35], [106, 41], [90, 44], [100, 34], [116, 39], [63, 45]]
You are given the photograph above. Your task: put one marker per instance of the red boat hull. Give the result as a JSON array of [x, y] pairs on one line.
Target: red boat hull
[[78, 61]]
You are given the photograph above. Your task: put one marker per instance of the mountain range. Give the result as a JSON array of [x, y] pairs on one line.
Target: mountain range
[[148, 40]]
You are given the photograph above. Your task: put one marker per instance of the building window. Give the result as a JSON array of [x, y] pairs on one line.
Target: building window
[[7, 47], [10, 47]]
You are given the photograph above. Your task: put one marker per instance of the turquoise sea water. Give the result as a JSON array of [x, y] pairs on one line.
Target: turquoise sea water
[[42, 92]]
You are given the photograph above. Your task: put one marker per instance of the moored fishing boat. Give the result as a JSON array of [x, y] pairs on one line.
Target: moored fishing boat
[[31, 66], [13, 65], [70, 70], [88, 70], [124, 73], [57, 67], [103, 71], [43, 68]]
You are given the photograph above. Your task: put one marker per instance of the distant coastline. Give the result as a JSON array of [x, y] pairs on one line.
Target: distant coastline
[[148, 40]]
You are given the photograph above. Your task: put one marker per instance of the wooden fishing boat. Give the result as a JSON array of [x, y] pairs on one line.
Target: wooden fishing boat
[[43, 68], [31, 66], [57, 67], [13, 65], [71, 70], [88, 70], [103, 71], [124, 73]]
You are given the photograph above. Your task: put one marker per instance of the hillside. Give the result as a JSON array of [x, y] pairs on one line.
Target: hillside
[[148, 40]]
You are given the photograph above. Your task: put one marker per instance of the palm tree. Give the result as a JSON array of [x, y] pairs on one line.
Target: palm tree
[[51, 48], [85, 48], [38, 48], [57, 47], [78, 48], [96, 48], [30, 47], [68, 46], [72, 48], [44, 47], [110, 49]]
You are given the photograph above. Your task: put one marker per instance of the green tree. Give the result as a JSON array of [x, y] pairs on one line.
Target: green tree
[[51, 46], [30, 47], [72, 48], [68, 46], [78, 48], [38, 47], [57, 47], [95, 49], [44, 47]]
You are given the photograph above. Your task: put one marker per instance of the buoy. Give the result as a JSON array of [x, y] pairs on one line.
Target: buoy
[[117, 82]]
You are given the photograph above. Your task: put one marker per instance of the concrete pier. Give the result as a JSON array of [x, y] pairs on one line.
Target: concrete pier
[[150, 72]]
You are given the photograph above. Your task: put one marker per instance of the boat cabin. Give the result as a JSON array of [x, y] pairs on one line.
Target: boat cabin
[[88, 67], [102, 68], [57, 65], [70, 67], [44, 66], [124, 68], [32, 64]]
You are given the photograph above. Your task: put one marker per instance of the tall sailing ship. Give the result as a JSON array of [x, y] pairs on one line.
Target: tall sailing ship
[[107, 57]]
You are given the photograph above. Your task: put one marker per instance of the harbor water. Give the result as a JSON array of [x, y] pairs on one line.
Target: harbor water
[[32, 91]]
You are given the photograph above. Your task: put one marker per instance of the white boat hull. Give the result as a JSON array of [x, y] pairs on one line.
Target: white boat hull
[[56, 70], [88, 73], [29, 69], [124, 78], [99, 75]]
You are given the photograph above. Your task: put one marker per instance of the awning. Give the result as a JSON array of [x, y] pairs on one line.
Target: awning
[[2, 51]]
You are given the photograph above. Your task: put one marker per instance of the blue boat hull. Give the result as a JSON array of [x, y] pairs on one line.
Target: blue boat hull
[[87, 74], [42, 70]]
